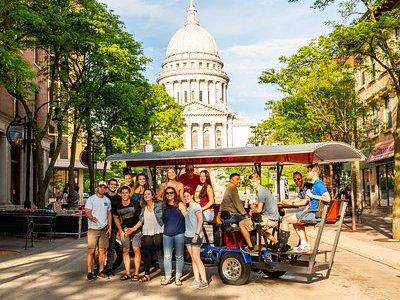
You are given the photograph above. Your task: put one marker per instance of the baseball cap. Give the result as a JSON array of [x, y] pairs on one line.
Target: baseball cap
[[102, 183]]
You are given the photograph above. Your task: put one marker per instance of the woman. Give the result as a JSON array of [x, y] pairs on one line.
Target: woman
[[142, 183], [151, 218], [172, 181], [205, 196], [128, 181], [174, 234], [194, 238]]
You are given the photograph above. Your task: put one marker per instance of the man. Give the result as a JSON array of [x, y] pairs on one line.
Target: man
[[314, 197], [115, 201], [98, 212], [189, 179], [267, 207], [302, 190], [231, 204], [126, 216]]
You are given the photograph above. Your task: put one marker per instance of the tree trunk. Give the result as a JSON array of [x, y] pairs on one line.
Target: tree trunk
[[355, 170], [107, 152], [71, 167], [396, 200], [90, 161], [39, 170]]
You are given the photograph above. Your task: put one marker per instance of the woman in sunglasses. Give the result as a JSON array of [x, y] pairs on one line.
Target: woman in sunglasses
[[172, 181], [174, 234]]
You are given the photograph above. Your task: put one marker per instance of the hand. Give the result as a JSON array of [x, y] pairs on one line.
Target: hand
[[121, 234], [128, 231], [194, 239], [309, 194], [108, 232], [94, 219]]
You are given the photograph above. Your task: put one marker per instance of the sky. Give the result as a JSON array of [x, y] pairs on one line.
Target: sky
[[251, 36]]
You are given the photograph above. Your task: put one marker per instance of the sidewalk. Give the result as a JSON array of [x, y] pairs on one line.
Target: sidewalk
[[372, 239]]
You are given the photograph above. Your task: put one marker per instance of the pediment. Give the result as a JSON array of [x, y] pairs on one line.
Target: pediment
[[201, 109]]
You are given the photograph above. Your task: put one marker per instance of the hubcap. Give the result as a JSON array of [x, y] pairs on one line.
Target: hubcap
[[232, 269]]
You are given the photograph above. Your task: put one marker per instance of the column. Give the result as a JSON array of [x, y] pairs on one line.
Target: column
[[188, 139], [222, 93], [214, 94], [207, 91], [197, 90], [181, 92], [224, 140], [212, 136], [201, 136]]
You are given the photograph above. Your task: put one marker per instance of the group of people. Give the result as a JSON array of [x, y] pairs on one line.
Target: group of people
[[265, 212], [151, 224], [166, 221]]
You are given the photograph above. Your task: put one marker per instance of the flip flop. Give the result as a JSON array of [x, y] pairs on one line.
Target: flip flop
[[145, 278], [135, 278]]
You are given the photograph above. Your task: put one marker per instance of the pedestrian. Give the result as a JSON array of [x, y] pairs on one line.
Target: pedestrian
[[64, 200], [151, 220], [142, 183], [98, 212], [204, 195], [171, 182], [126, 216], [174, 234], [194, 238], [112, 194]]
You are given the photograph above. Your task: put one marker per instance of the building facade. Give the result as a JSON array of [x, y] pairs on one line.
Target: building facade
[[193, 73]]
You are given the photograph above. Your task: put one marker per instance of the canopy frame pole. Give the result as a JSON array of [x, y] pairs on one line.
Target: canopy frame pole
[[257, 168], [279, 169], [153, 172]]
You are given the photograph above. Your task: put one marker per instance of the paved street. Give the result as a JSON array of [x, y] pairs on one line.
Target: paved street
[[56, 270]]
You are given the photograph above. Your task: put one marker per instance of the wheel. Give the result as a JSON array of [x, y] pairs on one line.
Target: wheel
[[274, 274], [233, 270]]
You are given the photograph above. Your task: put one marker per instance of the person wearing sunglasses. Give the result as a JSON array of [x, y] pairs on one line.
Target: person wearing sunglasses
[[174, 234], [302, 188]]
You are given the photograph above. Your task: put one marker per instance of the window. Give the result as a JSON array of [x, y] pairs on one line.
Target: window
[[362, 77], [177, 66], [64, 148], [206, 139], [218, 138], [195, 141], [200, 65], [388, 113], [201, 96], [192, 97], [185, 96], [373, 68], [208, 65], [184, 65], [36, 54], [192, 65], [375, 120]]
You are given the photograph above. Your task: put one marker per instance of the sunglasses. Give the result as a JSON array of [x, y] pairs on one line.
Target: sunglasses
[[169, 193], [296, 179]]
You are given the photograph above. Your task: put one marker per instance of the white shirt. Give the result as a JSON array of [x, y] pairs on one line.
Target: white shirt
[[151, 226], [100, 208]]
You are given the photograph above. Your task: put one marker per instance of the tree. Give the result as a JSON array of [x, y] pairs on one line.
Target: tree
[[373, 36]]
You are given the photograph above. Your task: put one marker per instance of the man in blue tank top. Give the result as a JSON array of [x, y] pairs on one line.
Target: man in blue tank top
[[314, 197]]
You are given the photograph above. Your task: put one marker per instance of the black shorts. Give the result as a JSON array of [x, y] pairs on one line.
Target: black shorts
[[188, 241]]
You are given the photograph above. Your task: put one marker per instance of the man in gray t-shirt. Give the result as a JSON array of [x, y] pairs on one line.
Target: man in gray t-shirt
[[267, 211]]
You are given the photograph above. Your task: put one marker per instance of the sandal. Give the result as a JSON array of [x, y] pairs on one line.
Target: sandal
[[144, 278], [125, 277], [135, 278], [178, 282]]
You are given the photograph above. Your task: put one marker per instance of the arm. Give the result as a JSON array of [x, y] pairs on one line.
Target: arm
[[199, 227], [325, 197], [182, 208], [211, 200], [258, 208], [89, 215], [109, 217], [180, 191], [119, 227], [161, 192]]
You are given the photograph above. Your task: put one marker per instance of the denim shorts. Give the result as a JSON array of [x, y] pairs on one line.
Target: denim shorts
[[188, 241], [306, 216]]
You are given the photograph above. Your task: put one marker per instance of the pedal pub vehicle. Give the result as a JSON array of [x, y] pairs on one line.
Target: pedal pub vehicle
[[234, 264]]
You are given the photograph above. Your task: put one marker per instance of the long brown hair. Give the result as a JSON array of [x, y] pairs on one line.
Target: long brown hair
[[203, 191], [146, 185], [176, 197], [143, 202]]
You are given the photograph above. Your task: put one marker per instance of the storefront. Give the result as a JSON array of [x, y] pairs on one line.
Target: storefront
[[378, 176]]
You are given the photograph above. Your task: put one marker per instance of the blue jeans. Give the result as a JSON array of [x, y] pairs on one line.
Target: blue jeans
[[176, 242]]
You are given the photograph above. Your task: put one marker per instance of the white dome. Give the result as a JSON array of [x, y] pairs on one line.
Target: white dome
[[192, 38]]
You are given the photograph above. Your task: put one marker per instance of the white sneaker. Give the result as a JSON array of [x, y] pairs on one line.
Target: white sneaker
[[302, 248], [194, 284]]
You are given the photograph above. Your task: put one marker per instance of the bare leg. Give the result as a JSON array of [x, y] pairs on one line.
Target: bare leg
[[269, 236], [194, 265], [245, 233], [102, 259], [137, 259], [127, 260], [199, 264], [89, 260]]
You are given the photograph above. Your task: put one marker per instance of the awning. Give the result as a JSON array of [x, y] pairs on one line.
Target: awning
[[325, 152], [381, 151]]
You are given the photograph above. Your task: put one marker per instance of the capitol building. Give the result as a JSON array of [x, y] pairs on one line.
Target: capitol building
[[193, 73]]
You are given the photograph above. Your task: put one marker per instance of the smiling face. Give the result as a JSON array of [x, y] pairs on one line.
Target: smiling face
[[148, 196], [112, 186], [236, 181], [125, 194], [298, 180], [171, 174], [203, 177], [128, 179], [142, 180], [187, 197]]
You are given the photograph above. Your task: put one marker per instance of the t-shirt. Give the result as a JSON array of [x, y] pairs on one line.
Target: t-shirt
[[191, 220], [318, 189], [115, 201], [270, 207], [129, 214], [174, 221], [187, 182], [100, 206]]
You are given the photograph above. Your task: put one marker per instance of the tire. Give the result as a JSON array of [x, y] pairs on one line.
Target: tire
[[233, 270], [274, 274]]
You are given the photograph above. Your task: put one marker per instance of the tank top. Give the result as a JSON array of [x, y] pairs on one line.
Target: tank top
[[136, 197], [174, 221], [150, 226]]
